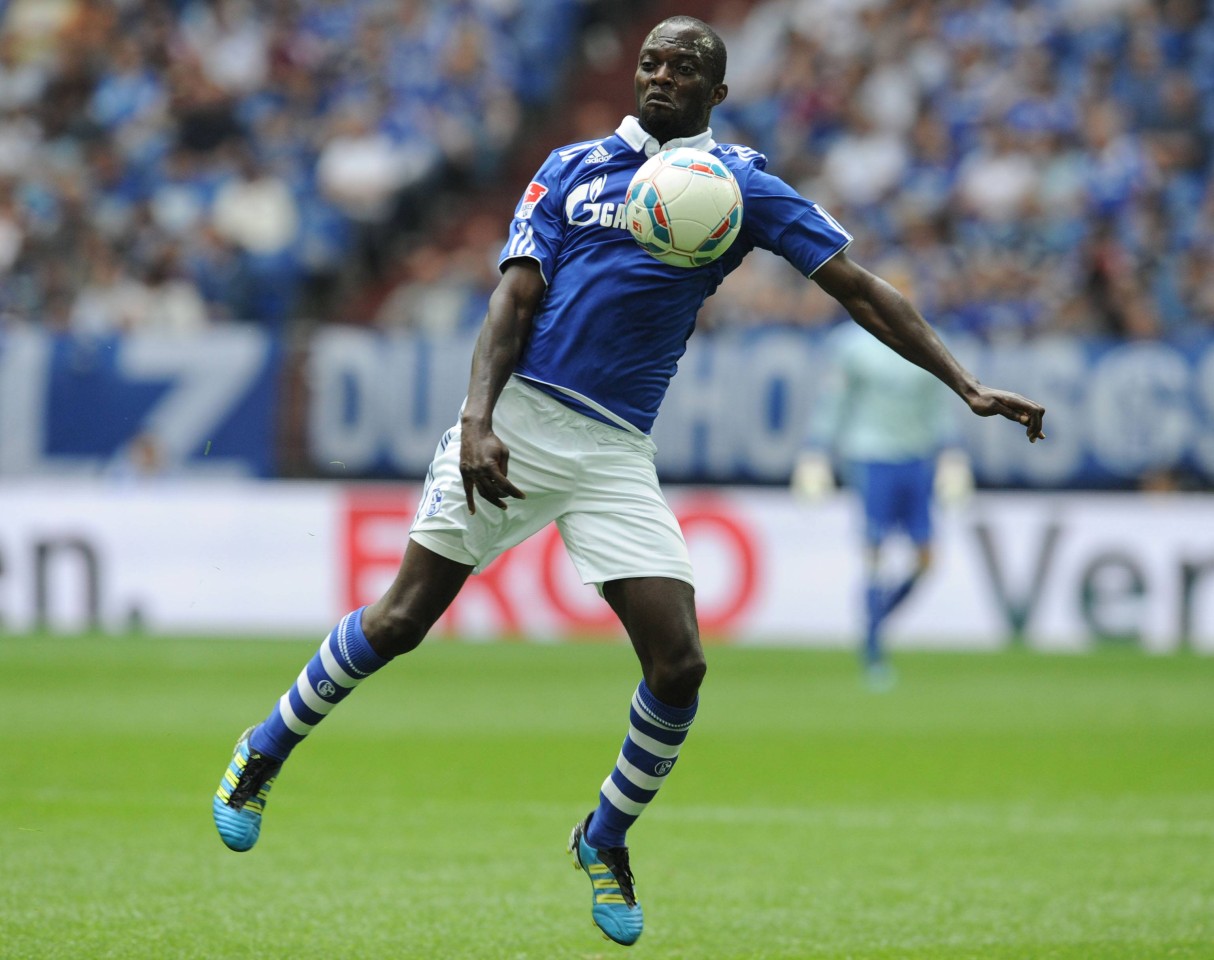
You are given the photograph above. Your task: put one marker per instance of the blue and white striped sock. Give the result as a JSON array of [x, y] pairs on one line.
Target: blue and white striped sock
[[656, 731], [343, 661]]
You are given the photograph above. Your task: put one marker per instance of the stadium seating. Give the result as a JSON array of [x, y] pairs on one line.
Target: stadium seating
[[1023, 168]]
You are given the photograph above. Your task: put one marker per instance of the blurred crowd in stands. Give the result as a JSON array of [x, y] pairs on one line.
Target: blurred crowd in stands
[[1020, 168], [1023, 167], [170, 163]]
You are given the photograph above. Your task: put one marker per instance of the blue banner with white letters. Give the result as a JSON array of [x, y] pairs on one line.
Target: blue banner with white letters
[[150, 406], [1116, 412], [368, 404]]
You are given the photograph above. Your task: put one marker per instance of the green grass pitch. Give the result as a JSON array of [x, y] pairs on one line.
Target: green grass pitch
[[1012, 806]]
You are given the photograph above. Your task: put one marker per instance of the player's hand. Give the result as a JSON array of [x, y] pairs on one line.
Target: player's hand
[[954, 479], [813, 477], [483, 460], [989, 402]]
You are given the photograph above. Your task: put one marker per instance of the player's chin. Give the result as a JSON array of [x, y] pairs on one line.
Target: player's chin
[[659, 113]]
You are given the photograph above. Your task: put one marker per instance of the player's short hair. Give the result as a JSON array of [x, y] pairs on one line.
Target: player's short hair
[[710, 45]]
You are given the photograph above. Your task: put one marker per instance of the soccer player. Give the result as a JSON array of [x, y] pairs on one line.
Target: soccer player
[[581, 338], [884, 424]]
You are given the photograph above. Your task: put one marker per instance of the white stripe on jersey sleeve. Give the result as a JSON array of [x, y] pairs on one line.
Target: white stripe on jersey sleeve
[[523, 243]]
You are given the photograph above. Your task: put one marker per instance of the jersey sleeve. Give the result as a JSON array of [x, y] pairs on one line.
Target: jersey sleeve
[[781, 220], [538, 226]]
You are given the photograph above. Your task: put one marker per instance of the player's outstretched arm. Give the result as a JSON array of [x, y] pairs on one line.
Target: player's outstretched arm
[[890, 317], [483, 458]]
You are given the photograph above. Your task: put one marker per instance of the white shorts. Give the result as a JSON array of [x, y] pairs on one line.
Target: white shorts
[[597, 482]]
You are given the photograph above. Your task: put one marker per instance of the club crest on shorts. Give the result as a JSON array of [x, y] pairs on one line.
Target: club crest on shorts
[[434, 502]]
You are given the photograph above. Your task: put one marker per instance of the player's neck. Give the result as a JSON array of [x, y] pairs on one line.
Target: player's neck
[[664, 134]]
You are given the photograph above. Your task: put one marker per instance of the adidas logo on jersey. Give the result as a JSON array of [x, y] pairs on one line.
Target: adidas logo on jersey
[[597, 155]]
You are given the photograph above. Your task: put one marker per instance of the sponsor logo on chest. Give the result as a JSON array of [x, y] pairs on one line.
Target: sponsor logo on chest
[[585, 206]]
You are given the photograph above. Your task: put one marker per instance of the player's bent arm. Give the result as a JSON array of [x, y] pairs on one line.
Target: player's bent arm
[[483, 457], [892, 319]]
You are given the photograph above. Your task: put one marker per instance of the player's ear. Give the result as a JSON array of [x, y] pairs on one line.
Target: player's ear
[[719, 93]]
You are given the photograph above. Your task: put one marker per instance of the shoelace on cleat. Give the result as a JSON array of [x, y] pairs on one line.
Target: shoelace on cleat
[[257, 770], [616, 860]]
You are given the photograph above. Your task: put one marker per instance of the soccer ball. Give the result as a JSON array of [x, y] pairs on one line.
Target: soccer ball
[[684, 207]]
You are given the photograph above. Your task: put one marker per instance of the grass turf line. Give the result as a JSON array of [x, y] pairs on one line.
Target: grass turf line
[[991, 806]]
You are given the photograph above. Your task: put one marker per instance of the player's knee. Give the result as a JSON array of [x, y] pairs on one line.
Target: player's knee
[[394, 630], [693, 670], [676, 680]]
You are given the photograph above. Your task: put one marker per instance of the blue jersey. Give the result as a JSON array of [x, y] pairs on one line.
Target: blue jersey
[[877, 407], [614, 321]]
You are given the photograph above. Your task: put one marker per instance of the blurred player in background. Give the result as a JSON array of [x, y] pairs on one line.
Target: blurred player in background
[[581, 339], [886, 427]]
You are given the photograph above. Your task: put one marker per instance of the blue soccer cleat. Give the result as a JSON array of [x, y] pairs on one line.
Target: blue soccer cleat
[[880, 677], [613, 905], [241, 798]]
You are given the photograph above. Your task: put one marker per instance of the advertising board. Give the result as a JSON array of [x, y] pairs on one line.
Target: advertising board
[[1058, 571]]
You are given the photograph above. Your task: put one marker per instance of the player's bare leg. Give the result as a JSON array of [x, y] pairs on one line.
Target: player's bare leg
[[424, 588], [659, 615]]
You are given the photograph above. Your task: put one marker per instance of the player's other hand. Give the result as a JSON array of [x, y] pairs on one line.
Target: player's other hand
[[989, 402], [813, 477], [483, 460], [954, 481]]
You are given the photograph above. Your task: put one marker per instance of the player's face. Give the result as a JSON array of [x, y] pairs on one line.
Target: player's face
[[675, 94]]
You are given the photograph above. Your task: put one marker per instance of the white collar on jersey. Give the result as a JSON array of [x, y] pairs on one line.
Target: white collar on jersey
[[633, 134]]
